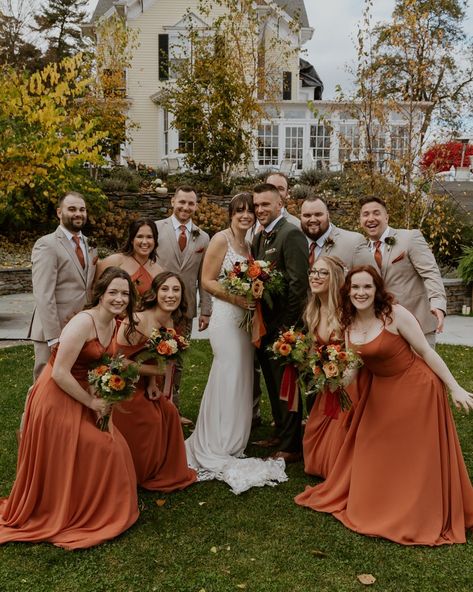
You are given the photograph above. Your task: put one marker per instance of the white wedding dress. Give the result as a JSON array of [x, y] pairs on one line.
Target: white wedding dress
[[216, 447]]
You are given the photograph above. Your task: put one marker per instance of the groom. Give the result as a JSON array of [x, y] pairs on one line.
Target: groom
[[284, 245]]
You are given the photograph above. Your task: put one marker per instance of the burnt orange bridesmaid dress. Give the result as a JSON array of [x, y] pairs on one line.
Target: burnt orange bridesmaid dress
[[154, 434], [400, 473], [142, 279], [325, 431], [75, 486]]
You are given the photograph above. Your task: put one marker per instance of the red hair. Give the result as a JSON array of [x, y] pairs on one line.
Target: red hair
[[383, 300]]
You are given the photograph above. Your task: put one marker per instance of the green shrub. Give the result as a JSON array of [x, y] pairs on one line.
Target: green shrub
[[465, 266]]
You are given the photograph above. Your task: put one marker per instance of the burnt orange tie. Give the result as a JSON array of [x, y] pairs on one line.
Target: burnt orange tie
[[79, 253], [313, 244], [378, 256], [182, 240]]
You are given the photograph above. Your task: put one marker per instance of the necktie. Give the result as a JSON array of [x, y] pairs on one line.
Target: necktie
[[182, 240], [313, 244], [378, 256], [79, 253]]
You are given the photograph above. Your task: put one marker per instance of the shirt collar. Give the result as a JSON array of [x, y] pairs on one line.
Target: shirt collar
[[382, 238], [321, 240], [177, 225], [69, 234], [271, 226]]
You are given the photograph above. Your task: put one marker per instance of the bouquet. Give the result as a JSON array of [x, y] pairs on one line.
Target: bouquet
[[255, 280], [292, 347], [332, 367], [113, 381], [163, 344]]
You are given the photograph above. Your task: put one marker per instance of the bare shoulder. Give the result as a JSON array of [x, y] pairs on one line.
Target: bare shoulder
[[401, 314], [80, 327], [115, 260], [219, 239]]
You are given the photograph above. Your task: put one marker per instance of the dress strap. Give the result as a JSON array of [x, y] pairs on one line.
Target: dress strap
[[140, 264], [93, 321]]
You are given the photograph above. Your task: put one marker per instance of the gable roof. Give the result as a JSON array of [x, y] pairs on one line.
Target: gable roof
[[294, 8]]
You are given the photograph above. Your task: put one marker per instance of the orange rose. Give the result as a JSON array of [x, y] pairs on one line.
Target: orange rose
[[285, 349], [254, 271], [257, 288], [171, 332], [330, 370], [116, 383], [337, 347], [342, 356], [316, 370], [289, 337], [100, 370], [164, 349]]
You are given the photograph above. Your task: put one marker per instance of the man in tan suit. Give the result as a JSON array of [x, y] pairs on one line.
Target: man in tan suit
[[181, 249], [407, 266], [62, 274], [324, 238]]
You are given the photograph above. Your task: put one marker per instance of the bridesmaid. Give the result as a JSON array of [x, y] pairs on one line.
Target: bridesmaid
[[150, 422], [75, 485], [400, 473], [326, 426], [138, 255]]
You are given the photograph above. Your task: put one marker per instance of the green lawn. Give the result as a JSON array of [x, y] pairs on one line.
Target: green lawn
[[207, 539]]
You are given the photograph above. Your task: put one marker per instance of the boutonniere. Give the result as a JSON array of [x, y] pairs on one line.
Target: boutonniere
[[91, 244], [269, 236], [329, 242], [195, 233], [390, 241]]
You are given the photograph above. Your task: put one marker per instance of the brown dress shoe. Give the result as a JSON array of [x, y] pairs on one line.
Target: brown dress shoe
[[289, 457], [268, 443]]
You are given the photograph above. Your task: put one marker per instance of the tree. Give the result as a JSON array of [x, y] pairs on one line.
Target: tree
[[59, 21], [15, 50], [423, 54], [45, 143], [215, 97]]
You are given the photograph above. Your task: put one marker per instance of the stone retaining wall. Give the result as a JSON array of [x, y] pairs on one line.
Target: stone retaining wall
[[17, 281]]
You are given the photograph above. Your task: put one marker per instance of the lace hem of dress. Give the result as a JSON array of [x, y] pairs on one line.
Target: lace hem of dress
[[242, 474]]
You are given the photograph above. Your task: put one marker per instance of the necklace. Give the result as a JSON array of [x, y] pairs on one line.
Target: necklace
[[365, 332], [240, 243]]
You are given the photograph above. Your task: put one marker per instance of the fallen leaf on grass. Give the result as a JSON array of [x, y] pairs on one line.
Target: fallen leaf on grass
[[213, 549], [228, 548], [366, 579], [241, 586], [160, 502], [202, 503], [317, 553]]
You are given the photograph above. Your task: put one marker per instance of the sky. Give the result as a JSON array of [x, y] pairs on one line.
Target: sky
[[332, 46]]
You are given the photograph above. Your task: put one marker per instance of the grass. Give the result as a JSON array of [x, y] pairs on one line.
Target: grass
[[207, 539]]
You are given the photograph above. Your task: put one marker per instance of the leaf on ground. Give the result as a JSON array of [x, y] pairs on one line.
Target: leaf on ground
[[366, 579], [241, 586], [228, 548], [318, 553], [213, 549], [202, 503], [160, 502]]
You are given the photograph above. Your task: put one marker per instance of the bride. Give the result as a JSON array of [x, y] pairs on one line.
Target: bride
[[216, 447]]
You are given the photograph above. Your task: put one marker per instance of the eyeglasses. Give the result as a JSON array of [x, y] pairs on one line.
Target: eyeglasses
[[320, 273]]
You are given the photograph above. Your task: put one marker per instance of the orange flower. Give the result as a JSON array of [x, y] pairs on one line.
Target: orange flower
[[164, 349], [330, 370], [342, 355], [171, 331], [285, 349], [116, 383], [100, 370], [316, 370], [337, 347], [289, 337], [257, 288], [254, 270]]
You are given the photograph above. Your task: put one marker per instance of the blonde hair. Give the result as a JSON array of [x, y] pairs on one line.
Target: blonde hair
[[311, 317]]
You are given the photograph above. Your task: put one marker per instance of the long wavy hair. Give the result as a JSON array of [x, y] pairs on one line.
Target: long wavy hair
[[135, 225], [383, 300], [312, 313], [150, 298], [101, 285]]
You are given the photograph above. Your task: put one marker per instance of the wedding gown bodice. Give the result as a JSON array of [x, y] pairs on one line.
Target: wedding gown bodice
[[224, 313]]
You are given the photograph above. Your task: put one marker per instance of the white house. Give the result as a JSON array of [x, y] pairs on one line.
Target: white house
[[295, 136]]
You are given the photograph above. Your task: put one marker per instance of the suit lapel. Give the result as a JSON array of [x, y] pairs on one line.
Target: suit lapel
[[388, 254], [329, 242], [190, 247], [171, 237], [72, 254]]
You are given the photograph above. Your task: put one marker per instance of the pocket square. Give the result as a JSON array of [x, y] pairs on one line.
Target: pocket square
[[269, 251], [201, 250], [399, 257]]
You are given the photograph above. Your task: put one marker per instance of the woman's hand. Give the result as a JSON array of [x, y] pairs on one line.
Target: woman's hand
[[153, 392], [243, 302], [462, 398], [100, 406]]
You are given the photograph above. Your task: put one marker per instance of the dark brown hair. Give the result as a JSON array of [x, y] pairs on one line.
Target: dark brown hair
[[370, 198], [383, 300], [127, 248], [263, 187], [239, 202], [72, 194], [186, 189], [150, 298]]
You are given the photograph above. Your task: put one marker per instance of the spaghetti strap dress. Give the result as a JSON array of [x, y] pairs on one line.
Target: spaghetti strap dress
[[400, 473], [154, 434], [75, 485]]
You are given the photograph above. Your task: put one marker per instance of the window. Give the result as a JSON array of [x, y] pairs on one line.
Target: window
[[184, 145], [349, 138], [268, 145], [286, 86], [166, 131], [399, 140], [378, 145], [320, 144], [294, 145], [163, 59]]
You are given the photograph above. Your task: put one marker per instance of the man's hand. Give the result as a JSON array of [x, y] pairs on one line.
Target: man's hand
[[203, 322], [440, 318]]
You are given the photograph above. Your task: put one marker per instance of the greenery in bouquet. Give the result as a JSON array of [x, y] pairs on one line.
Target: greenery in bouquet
[[163, 344], [113, 381], [332, 367]]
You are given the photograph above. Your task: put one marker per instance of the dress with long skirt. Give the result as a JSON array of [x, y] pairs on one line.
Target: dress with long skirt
[[400, 473], [75, 485], [153, 432], [216, 447], [325, 430]]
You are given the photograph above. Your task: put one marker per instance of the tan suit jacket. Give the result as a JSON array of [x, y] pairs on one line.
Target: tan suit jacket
[[350, 247], [187, 263], [411, 273], [61, 287]]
